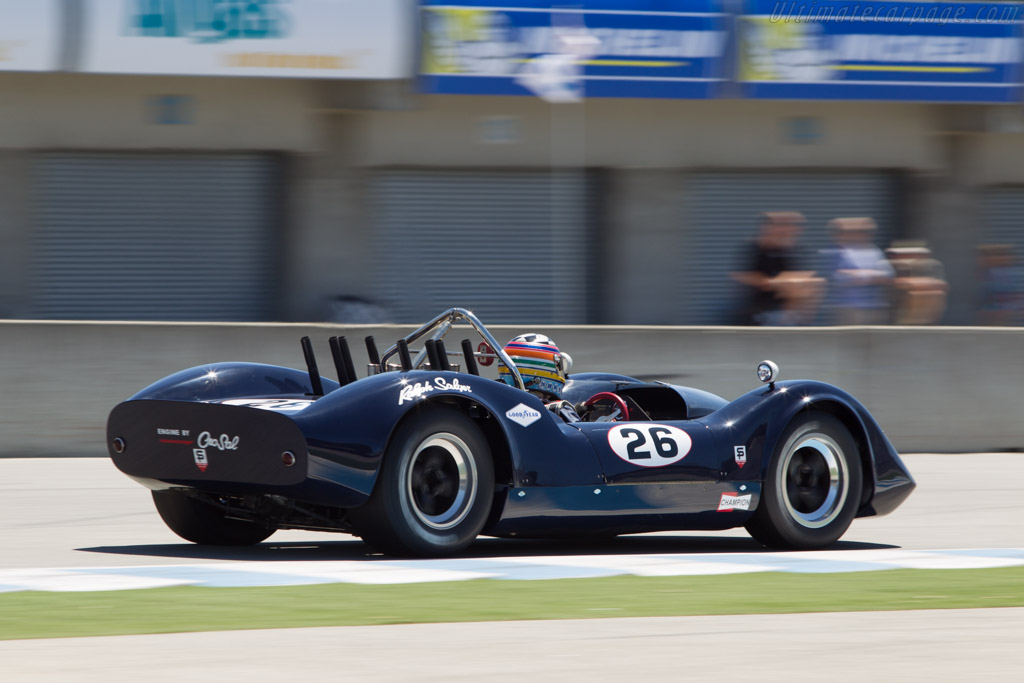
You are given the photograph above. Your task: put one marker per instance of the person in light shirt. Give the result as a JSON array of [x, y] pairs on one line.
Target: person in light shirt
[[860, 274]]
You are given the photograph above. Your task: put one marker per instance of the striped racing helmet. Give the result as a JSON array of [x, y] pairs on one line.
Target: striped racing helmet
[[542, 366]]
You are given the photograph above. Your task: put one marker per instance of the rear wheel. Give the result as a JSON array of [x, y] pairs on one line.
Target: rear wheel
[[434, 489], [812, 488], [202, 523]]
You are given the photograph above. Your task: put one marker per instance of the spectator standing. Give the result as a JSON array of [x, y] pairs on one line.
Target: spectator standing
[[1002, 286], [860, 275], [919, 287], [777, 293]]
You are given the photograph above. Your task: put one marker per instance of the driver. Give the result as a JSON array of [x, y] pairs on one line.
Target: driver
[[544, 370]]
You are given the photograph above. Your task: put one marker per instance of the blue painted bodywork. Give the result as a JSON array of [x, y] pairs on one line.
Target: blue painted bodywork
[[554, 478]]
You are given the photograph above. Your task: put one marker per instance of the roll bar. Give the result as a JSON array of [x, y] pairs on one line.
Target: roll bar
[[440, 326]]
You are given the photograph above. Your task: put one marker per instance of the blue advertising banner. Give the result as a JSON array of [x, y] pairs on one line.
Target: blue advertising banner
[[925, 51], [564, 52]]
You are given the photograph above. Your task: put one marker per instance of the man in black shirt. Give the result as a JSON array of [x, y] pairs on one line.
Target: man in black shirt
[[774, 287]]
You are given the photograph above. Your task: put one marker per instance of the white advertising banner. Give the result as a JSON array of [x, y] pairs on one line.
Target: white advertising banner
[[29, 35], [290, 38]]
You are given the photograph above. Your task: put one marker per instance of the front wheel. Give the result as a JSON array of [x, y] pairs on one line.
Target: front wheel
[[434, 489], [202, 523], [812, 488]]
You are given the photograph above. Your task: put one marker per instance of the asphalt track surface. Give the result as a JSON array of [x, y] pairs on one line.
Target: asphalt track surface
[[82, 512], [939, 645]]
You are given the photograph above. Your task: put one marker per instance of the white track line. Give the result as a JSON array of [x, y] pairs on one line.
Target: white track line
[[374, 571]]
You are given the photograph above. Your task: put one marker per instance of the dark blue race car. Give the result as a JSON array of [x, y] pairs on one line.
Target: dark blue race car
[[421, 456]]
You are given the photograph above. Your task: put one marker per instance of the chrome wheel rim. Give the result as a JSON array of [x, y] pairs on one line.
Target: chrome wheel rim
[[814, 482], [440, 481]]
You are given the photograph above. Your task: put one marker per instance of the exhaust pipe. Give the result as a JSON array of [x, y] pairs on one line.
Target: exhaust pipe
[[314, 373]]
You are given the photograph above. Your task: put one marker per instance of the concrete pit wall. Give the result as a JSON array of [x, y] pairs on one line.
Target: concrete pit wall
[[932, 389]]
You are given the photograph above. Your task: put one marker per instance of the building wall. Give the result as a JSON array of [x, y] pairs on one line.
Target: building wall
[[649, 147], [976, 148], [335, 135], [328, 222], [15, 229], [644, 239], [78, 111], [41, 112], [650, 134], [993, 158]]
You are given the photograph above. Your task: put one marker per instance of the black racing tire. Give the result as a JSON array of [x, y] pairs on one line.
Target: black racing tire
[[434, 489], [202, 523], [812, 488]]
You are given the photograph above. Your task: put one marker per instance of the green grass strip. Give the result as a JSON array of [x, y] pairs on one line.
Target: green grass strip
[[166, 610]]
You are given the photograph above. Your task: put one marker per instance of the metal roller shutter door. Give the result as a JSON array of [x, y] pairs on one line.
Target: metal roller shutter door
[[155, 236], [723, 210], [1004, 217], [511, 246]]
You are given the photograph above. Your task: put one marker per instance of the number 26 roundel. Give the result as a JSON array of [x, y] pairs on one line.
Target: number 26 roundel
[[649, 445]]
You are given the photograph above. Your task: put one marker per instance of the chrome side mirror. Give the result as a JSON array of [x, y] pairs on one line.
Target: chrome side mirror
[[767, 372]]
